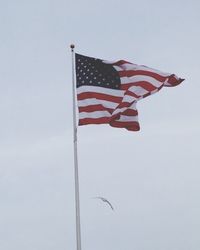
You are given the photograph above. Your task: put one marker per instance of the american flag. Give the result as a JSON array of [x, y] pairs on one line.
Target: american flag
[[107, 92]]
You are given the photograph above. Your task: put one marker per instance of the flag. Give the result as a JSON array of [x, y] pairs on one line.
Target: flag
[[107, 92]]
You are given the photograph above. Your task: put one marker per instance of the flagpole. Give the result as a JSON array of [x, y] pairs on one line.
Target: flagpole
[[76, 177]]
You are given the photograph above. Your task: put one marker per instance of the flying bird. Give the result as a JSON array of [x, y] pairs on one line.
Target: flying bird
[[105, 200]]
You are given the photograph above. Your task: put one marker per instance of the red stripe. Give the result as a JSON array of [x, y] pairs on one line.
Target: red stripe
[[128, 92], [101, 120], [146, 85], [132, 126], [125, 104], [130, 112], [92, 108], [121, 62], [129, 73], [100, 96]]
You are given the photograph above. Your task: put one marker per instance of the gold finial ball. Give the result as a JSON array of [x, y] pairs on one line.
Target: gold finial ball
[[72, 46]]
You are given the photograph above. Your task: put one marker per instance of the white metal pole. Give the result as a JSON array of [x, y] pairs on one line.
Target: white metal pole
[[77, 200]]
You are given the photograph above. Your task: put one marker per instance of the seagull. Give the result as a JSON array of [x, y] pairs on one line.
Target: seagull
[[105, 200]]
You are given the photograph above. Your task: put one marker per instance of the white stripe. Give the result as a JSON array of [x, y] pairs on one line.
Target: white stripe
[[118, 68], [124, 118], [94, 101], [168, 84], [101, 90], [127, 66], [161, 73], [139, 78], [121, 110], [138, 90], [110, 62], [129, 98], [95, 114]]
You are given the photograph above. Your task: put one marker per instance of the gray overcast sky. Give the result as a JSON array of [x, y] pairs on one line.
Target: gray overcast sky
[[151, 177]]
